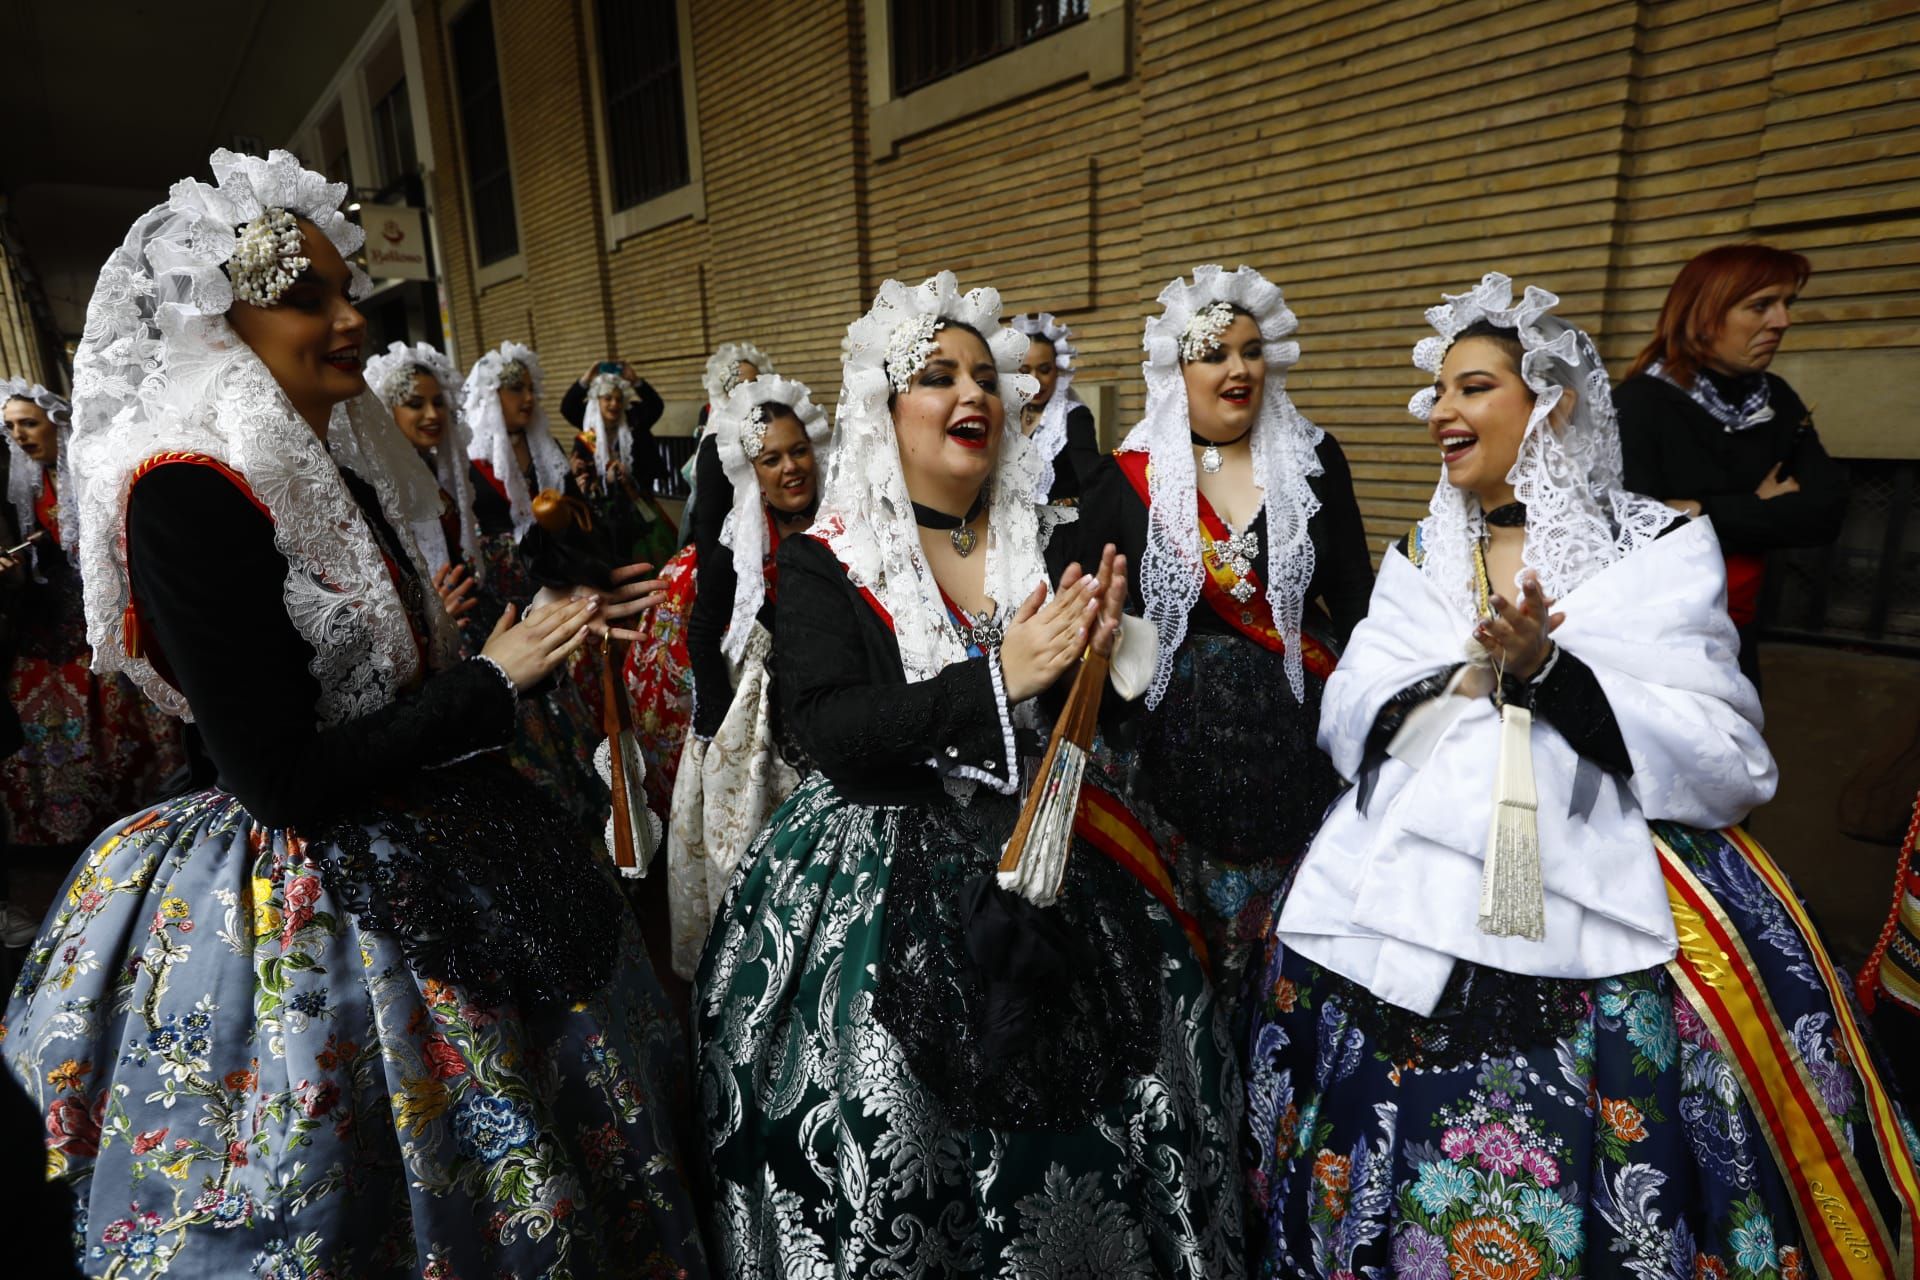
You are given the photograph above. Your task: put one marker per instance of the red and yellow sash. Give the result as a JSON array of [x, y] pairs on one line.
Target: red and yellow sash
[[1109, 826], [1253, 618], [1839, 1219]]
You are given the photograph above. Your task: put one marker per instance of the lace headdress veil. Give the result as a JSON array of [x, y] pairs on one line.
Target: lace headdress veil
[[734, 425], [1283, 458], [866, 516], [611, 439], [390, 376], [1579, 517], [159, 370], [722, 373], [24, 474], [480, 406], [1050, 437]]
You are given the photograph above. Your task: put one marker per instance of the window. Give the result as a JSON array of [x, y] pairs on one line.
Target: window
[[933, 39], [640, 85], [393, 135], [483, 121], [1866, 585]]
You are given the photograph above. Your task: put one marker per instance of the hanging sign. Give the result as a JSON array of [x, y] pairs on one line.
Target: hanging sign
[[396, 242]]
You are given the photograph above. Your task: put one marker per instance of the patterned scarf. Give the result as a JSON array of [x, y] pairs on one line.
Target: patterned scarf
[[1755, 406]]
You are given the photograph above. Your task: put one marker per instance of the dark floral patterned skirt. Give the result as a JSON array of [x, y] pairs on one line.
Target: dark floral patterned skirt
[[240, 1078], [1539, 1127]]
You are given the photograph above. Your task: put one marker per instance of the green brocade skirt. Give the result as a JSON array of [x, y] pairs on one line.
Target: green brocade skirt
[[854, 1125]]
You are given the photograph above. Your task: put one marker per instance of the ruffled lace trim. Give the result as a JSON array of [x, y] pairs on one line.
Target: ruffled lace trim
[[722, 372], [866, 515], [450, 456], [491, 444], [745, 529], [1580, 518], [1284, 460]]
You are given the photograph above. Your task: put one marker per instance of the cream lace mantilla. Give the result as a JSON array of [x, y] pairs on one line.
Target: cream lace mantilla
[[491, 443], [160, 370]]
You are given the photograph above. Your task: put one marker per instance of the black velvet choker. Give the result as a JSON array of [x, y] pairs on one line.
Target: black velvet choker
[[929, 518], [1512, 515], [1201, 442]]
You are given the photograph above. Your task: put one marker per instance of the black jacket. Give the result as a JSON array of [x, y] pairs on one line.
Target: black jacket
[[649, 466]]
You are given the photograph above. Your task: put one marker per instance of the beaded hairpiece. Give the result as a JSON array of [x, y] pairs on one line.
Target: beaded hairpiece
[[909, 348], [267, 259], [514, 375], [1202, 336], [753, 432]]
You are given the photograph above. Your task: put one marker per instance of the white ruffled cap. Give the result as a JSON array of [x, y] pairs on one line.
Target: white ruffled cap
[[390, 376], [1579, 517], [160, 370], [1050, 437], [745, 530], [1283, 444], [24, 474], [491, 444], [722, 373], [866, 515]]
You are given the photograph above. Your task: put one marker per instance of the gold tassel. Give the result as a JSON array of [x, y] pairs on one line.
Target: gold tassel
[[1512, 898]]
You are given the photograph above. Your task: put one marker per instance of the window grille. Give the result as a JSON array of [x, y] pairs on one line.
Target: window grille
[[933, 39], [1865, 587], [646, 117], [476, 69]]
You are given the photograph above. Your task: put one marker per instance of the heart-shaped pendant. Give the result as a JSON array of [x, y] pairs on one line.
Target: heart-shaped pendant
[[964, 540]]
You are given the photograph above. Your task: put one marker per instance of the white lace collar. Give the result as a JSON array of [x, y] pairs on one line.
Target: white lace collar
[[1283, 442]]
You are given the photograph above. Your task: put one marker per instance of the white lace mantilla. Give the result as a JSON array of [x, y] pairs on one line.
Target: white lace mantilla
[[25, 477], [1283, 441], [390, 376], [722, 372], [1050, 437], [1579, 517], [493, 445], [159, 370], [866, 515]]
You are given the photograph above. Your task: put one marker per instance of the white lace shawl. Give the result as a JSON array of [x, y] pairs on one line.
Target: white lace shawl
[[866, 516], [745, 530], [491, 443], [449, 456], [722, 373], [24, 475], [1283, 443], [1050, 437], [1579, 517], [610, 439], [159, 370]]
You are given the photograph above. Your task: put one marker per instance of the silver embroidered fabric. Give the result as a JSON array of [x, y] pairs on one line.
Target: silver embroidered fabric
[[24, 475], [1579, 518], [1050, 437], [480, 406], [745, 529], [384, 376], [1283, 443], [159, 369], [866, 516]]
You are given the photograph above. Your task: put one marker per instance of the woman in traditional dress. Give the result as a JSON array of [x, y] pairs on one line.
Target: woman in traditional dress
[[616, 462], [731, 364], [1536, 1006], [1252, 566], [93, 749], [367, 1006], [514, 458], [421, 389], [737, 766], [1060, 426], [886, 1090]]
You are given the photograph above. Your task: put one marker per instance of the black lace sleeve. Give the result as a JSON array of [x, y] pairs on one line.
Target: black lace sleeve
[[1342, 569], [1570, 699], [573, 405], [208, 581], [848, 703], [650, 469], [714, 584]]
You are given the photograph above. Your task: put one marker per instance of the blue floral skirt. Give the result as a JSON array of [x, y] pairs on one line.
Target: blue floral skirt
[[1546, 1128], [241, 1080]]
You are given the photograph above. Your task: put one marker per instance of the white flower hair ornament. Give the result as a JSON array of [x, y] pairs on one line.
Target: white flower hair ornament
[[511, 365], [722, 373], [1050, 436], [25, 478], [390, 375], [159, 371], [1193, 316], [740, 432], [1568, 471], [866, 514]]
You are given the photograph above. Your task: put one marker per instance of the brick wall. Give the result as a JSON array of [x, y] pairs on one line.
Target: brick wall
[[1364, 155]]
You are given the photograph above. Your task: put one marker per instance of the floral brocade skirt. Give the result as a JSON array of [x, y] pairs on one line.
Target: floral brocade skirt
[[658, 678], [241, 1079], [95, 749], [1540, 1127], [837, 1059]]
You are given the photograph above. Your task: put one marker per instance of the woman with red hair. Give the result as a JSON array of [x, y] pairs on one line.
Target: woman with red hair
[[1706, 428]]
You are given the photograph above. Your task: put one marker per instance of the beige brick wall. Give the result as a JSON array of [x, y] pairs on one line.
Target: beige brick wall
[[1364, 155]]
